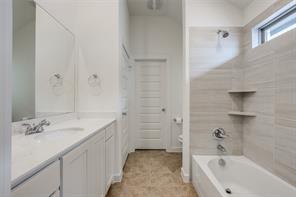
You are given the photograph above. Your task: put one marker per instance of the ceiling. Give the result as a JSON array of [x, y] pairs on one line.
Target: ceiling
[[169, 8], [241, 3]]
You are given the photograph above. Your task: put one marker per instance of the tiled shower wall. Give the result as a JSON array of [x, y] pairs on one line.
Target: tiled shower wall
[[215, 65], [268, 139]]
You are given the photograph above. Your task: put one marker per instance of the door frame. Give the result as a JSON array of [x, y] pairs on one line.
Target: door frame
[[167, 125], [125, 59], [6, 92]]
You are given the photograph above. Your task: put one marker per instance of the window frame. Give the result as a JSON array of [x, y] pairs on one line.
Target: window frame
[[276, 20], [258, 36]]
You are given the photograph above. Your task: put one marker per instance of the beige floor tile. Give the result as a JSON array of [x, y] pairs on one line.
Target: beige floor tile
[[152, 174]]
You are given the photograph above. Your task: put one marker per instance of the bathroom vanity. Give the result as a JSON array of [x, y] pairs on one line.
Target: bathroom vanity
[[54, 151], [74, 157]]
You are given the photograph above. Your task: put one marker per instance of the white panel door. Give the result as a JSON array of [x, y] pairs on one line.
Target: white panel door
[[150, 96], [124, 105]]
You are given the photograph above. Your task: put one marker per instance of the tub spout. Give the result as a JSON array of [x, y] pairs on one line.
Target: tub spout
[[221, 148]]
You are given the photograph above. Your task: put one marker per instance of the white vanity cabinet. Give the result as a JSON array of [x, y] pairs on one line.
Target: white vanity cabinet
[[85, 170], [110, 155], [45, 183], [88, 169]]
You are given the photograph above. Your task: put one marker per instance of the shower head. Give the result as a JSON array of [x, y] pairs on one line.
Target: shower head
[[224, 33], [154, 4]]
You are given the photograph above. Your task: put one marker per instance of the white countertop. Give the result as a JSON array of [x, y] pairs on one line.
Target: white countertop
[[34, 152]]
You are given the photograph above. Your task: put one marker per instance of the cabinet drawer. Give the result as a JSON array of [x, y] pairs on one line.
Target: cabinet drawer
[[110, 131], [43, 184]]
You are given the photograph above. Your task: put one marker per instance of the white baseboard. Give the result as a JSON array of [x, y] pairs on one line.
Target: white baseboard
[[185, 176], [174, 150], [117, 178]]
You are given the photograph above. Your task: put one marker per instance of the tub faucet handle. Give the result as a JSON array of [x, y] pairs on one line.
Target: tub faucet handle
[[219, 133]]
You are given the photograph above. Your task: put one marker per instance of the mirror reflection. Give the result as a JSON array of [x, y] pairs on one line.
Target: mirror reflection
[[43, 63]]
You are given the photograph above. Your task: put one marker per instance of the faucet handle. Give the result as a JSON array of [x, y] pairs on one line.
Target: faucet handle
[[219, 133], [45, 122], [29, 128], [27, 125]]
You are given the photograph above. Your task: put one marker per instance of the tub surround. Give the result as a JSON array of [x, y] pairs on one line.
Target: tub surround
[[268, 138], [210, 80], [32, 153]]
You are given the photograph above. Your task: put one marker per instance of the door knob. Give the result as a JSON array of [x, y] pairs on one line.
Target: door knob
[[163, 109]]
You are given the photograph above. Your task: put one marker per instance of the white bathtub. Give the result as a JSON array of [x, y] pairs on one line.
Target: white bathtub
[[242, 176]]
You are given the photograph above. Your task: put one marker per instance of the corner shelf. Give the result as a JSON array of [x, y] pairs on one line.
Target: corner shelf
[[241, 91], [244, 114]]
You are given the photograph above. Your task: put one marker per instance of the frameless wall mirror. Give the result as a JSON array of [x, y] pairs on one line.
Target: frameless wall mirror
[[43, 63]]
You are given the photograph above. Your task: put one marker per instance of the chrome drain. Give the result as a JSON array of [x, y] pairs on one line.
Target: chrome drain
[[228, 191]]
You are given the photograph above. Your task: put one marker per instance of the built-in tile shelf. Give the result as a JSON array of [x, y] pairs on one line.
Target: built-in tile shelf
[[241, 91], [244, 114]]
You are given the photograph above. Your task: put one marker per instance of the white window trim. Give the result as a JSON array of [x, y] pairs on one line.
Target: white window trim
[[256, 37]]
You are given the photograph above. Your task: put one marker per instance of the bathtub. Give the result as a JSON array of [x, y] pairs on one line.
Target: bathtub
[[241, 176]]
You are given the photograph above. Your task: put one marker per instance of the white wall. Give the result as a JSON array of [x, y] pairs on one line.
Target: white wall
[[256, 8], [23, 100], [157, 36], [5, 95], [124, 23], [98, 38], [223, 13], [212, 13]]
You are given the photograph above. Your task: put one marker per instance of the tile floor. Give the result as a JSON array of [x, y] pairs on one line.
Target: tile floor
[[152, 174]]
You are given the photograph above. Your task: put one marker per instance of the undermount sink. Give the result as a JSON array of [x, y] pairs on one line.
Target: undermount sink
[[58, 133]]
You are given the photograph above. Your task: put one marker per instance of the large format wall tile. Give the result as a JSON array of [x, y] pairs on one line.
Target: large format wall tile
[[270, 138], [216, 67]]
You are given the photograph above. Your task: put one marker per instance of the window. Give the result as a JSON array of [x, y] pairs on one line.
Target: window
[[279, 23], [278, 26]]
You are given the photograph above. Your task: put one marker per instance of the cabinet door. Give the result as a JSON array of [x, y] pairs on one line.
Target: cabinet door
[[98, 152], [109, 161], [76, 179], [43, 184]]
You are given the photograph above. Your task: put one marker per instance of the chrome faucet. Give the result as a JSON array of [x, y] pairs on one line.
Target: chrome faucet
[[33, 129], [221, 148], [220, 133]]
